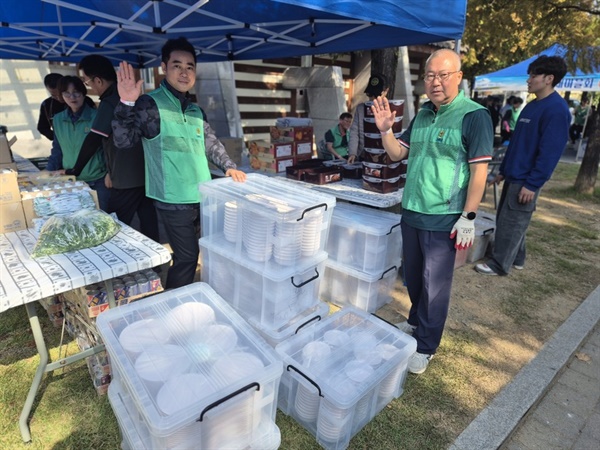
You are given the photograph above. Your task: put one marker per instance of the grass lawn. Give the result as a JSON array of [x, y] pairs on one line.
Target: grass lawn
[[495, 326]]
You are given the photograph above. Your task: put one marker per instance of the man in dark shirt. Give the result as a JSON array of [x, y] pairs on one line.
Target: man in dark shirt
[[125, 176], [51, 106]]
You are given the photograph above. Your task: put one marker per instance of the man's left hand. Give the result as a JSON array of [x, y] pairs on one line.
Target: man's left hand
[[525, 195], [464, 231], [237, 175]]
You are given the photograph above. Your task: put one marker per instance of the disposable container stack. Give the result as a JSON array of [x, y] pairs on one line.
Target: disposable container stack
[[190, 373], [365, 253], [263, 250], [341, 372], [380, 173]]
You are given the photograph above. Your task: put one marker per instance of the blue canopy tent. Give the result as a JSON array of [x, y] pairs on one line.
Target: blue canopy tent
[[135, 30], [514, 78]]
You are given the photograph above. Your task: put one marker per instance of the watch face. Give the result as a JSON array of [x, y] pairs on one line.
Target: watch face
[[471, 216]]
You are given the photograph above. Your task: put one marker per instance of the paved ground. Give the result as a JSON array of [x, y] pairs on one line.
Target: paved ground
[[554, 401]]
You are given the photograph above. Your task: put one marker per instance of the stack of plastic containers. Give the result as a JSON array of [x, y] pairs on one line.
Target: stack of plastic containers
[[190, 373], [341, 372], [380, 173], [365, 253], [262, 250]]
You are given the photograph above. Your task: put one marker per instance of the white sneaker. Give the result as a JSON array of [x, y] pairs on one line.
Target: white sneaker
[[406, 327], [518, 267], [484, 269], [418, 362]]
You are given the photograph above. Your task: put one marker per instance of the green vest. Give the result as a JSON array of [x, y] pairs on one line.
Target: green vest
[[175, 159], [438, 172], [342, 150], [70, 137]]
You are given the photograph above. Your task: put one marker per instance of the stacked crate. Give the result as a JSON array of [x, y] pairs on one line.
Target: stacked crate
[[380, 173], [262, 250], [365, 253], [341, 373], [286, 147], [190, 373]]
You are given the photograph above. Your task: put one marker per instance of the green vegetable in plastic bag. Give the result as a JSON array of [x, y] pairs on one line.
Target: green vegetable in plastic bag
[[75, 231]]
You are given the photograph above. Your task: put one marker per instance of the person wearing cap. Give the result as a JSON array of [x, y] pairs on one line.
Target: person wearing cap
[[449, 144], [377, 86]]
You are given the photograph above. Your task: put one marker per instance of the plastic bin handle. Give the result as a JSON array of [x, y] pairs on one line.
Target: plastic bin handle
[[488, 231], [227, 397], [305, 377], [310, 209], [316, 318], [383, 274], [309, 280], [392, 229]]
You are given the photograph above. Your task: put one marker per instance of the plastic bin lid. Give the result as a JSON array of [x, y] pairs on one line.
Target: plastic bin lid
[[364, 276], [366, 220], [364, 349], [266, 195], [270, 269]]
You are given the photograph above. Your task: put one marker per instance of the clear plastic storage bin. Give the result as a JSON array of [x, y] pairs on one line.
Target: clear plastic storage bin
[[345, 286], [266, 219], [269, 295], [365, 239], [341, 372], [193, 374]]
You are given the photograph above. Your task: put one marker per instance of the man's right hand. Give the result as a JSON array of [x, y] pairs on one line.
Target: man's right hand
[[351, 159], [129, 89], [384, 117]]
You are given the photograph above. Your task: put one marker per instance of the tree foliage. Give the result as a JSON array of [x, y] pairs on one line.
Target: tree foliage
[[500, 33]]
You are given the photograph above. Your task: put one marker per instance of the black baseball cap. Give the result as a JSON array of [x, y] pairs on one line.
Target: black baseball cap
[[377, 83]]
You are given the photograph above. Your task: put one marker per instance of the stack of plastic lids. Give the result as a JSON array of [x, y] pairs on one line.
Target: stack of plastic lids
[[191, 373], [341, 372]]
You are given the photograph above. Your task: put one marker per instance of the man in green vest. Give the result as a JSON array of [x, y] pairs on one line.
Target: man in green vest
[[336, 139], [449, 144], [178, 143]]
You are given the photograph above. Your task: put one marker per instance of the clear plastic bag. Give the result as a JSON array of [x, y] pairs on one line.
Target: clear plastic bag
[[82, 229]]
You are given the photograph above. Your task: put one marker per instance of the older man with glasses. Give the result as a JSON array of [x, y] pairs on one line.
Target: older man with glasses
[[449, 144]]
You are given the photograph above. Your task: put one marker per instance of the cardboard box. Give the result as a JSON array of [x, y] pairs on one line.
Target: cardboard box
[[9, 187], [12, 217], [276, 149], [28, 203], [12, 166], [291, 134], [303, 148], [273, 165], [42, 178], [6, 156]]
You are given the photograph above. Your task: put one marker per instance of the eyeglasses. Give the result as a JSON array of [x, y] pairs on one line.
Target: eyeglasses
[[88, 81], [72, 94], [429, 77]]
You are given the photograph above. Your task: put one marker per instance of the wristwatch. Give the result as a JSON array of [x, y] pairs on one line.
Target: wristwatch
[[469, 215]]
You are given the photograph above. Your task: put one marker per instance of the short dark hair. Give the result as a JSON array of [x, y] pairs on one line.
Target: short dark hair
[[64, 83], [98, 66], [549, 65], [345, 115], [51, 80], [517, 101], [179, 44]]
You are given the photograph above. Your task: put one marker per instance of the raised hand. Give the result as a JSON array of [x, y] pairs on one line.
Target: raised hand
[[129, 89], [384, 117]]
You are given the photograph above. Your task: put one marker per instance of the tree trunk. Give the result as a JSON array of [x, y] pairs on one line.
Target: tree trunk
[[588, 172], [385, 62]]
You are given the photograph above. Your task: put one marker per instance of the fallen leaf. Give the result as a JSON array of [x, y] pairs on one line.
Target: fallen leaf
[[583, 356]]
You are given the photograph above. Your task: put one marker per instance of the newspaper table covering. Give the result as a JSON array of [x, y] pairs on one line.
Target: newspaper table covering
[[26, 280]]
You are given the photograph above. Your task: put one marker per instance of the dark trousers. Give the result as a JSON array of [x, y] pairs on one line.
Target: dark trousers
[[428, 271], [512, 221], [126, 202], [183, 231]]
